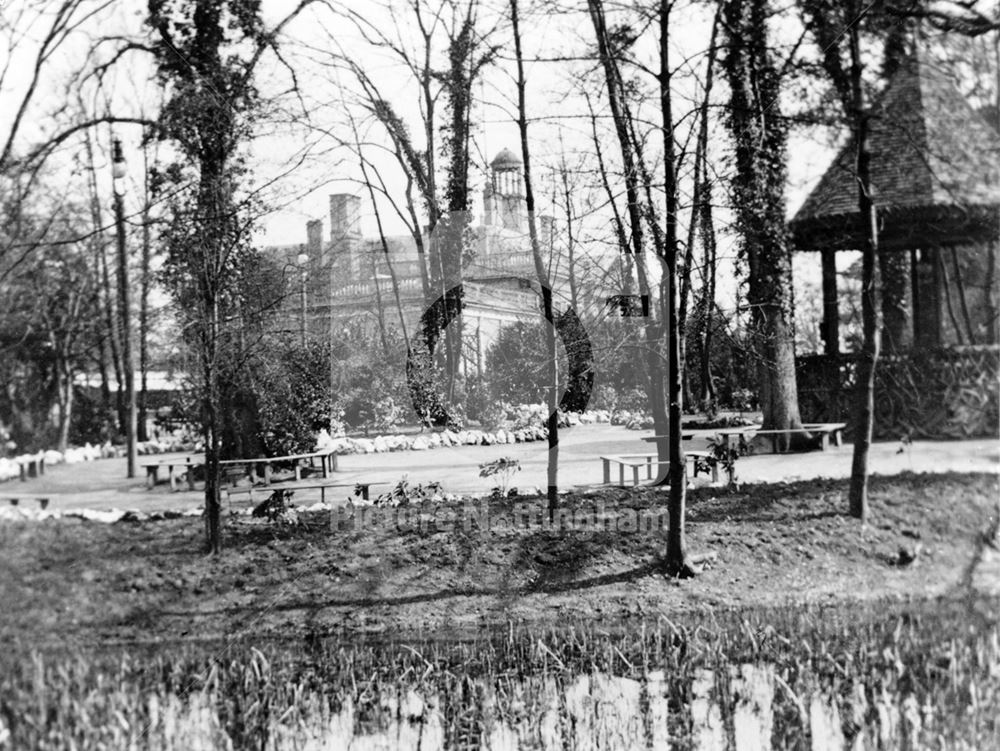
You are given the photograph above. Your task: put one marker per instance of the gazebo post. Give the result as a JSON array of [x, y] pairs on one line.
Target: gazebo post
[[896, 280], [830, 332], [927, 308], [915, 301]]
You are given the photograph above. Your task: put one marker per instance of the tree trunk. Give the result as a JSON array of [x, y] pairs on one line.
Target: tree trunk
[[698, 214], [144, 274], [758, 189], [212, 245], [989, 295], [128, 364], [776, 368], [65, 392], [211, 427], [707, 225], [676, 558], [702, 220], [865, 396], [552, 387], [682, 325], [107, 420], [653, 331], [106, 299], [618, 222], [418, 239], [574, 296], [110, 312], [385, 252], [462, 69]]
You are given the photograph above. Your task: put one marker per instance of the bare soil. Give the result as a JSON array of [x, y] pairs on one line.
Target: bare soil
[[69, 581]]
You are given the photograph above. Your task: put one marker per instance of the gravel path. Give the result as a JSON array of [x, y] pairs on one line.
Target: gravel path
[[102, 485]]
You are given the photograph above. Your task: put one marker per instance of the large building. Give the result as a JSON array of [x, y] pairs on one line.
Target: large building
[[345, 276]]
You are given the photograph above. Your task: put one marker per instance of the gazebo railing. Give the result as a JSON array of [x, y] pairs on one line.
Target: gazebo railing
[[936, 394]]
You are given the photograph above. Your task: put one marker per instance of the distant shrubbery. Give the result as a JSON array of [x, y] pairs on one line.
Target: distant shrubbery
[[293, 397], [516, 365], [359, 383]]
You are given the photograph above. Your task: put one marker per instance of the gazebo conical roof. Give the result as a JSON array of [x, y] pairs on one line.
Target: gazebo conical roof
[[935, 165]]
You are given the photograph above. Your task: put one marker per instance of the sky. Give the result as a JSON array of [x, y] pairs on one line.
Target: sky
[[558, 113], [298, 158]]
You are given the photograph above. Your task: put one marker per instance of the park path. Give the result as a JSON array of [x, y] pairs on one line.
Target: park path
[[102, 484], [456, 468]]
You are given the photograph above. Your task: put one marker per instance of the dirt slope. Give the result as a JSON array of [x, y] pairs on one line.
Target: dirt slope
[[73, 581]]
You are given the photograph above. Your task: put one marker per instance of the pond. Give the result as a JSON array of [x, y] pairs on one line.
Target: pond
[[884, 675]]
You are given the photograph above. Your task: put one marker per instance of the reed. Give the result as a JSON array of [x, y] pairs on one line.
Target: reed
[[890, 675]]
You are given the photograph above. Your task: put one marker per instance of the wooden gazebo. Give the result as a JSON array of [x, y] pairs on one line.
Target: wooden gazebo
[[936, 184]]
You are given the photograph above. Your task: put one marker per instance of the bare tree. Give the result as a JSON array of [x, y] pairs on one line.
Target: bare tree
[[552, 379], [449, 56], [661, 332], [110, 341], [51, 324], [58, 22], [701, 227]]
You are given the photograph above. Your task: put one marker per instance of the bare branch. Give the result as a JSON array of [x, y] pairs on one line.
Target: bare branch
[[64, 22]]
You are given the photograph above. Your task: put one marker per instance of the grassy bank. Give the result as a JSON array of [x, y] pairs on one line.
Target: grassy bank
[[84, 583], [806, 630]]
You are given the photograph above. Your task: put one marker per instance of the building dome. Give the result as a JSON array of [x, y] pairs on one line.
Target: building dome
[[506, 159]]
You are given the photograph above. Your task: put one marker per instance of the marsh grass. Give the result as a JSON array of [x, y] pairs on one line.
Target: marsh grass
[[923, 675]]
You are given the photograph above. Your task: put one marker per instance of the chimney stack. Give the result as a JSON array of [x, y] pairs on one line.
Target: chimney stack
[[314, 237], [345, 216], [345, 235]]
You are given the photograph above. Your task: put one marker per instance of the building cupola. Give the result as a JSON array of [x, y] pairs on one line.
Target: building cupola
[[504, 195]]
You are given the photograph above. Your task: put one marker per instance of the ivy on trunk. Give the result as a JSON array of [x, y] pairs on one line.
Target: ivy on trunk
[[760, 136]]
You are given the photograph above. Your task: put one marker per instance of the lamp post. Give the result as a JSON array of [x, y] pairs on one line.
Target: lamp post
[[118, 175], [302, 259]]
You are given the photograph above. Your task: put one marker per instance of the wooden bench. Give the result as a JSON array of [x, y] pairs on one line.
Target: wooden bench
[[741, 434], [322, 487], [635, 462], [666, 438], [828, 430], [232, 470], [327, 460], [188, 463], [232, 475], [15, 500], [825, 430], [31, 465]]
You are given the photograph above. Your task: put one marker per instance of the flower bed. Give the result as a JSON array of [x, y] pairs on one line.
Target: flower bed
[[524, 423], [529, 420]]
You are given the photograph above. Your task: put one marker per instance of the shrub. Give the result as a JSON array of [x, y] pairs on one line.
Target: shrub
[[517, 363], [634, 400], [276, 508], [404, 494], [372, 413], [724, 455], [604, 397], [293, 395], [493, 415], [503, 469]]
